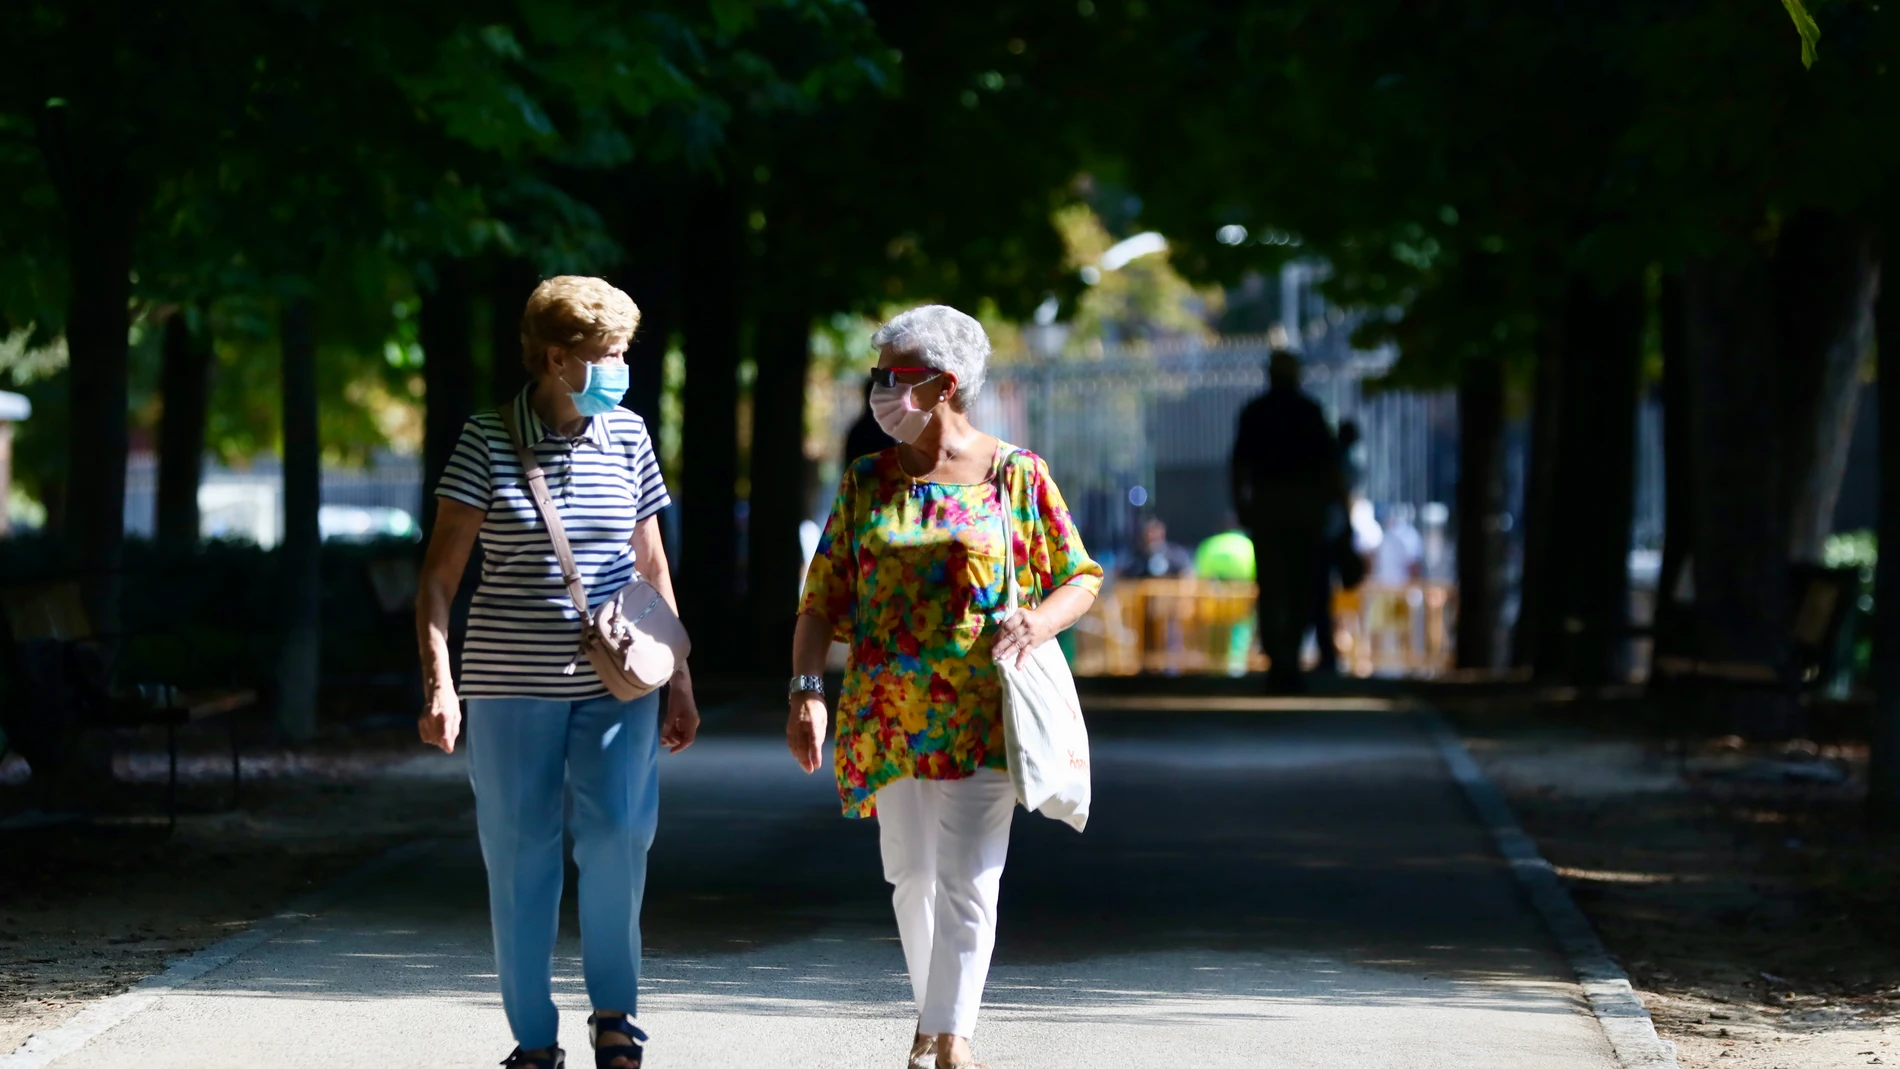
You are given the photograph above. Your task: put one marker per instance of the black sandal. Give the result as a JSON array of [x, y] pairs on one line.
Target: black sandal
[[604, 1057], [522, 1060]]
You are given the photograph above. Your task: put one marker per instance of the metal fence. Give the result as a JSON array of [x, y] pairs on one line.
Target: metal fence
[[1153, 429]]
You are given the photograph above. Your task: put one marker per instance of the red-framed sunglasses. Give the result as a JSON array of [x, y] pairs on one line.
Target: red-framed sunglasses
[[887, 376]]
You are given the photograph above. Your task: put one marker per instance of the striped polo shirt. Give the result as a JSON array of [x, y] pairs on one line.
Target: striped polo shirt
[[523, 631]]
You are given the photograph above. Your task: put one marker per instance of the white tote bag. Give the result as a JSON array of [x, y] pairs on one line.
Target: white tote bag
[[1043, 734]]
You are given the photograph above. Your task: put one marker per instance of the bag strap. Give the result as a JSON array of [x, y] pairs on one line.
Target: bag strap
[[544, 504], [1009, 535]]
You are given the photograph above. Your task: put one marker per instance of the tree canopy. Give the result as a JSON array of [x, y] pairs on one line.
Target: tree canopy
[[1502, 186]]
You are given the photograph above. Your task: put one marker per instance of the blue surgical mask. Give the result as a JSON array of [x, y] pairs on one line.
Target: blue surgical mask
[[605, 385]]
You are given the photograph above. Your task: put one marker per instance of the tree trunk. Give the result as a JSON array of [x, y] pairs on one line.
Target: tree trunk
[[1587, 633], [98, 196], [655, 288], [1574, 620], [448, 373], [1741, 517], [1537, 577], [778, 478], [655, 244], [1826, 276], [711, 314], [1883, 786], [510, 281], [1674, 620], [301, 605], [99, 236], [185, 382], [1480, 510]]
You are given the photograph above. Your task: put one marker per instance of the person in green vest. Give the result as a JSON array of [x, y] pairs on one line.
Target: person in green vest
[[1228, 556]]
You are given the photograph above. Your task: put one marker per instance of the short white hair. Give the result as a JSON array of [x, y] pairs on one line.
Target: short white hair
[[941, 337]]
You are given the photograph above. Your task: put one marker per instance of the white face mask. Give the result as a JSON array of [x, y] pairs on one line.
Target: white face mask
[[896, 411]]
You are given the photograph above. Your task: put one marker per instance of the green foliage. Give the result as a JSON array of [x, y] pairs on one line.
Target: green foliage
[[32, 261], [1853, 549], [338, 151], [932, 171], [1859, 550], [24, 362], [1457, 164], [1145, 298], [1805, 26], [36, 370]]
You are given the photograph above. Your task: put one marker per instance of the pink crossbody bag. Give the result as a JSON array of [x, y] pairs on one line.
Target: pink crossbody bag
[[634, 640]]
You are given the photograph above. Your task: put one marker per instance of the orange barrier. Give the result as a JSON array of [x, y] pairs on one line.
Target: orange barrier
[[1206, 627]]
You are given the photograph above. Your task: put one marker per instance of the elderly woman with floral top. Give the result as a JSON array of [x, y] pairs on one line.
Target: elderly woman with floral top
[[909, 573]]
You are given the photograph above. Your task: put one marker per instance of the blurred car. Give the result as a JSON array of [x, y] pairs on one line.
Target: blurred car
[[366, 523]]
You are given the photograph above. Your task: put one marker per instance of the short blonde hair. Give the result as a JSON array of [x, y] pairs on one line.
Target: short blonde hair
[[568, 310]]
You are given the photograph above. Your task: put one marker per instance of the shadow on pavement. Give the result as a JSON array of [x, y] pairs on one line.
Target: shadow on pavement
[[1233, 861]]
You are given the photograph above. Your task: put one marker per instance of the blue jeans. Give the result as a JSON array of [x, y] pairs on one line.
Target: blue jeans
[[522, 751]]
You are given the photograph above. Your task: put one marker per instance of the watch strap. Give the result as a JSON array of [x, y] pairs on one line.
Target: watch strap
[[806, 685]]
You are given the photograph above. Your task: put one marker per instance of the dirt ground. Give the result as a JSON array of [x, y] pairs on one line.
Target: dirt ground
[[88, 909], [1735, 884]]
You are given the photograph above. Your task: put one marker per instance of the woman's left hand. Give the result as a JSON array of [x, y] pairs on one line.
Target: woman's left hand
[[1022, 633], [682, 715]]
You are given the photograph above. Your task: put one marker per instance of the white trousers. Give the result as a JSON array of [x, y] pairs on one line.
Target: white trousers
[[944, 843]]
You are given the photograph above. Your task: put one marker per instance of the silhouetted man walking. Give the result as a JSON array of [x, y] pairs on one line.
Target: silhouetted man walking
[[1285, 474]]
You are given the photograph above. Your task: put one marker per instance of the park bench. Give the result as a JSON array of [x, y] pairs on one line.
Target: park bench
[[63, 672], [1821, 635]]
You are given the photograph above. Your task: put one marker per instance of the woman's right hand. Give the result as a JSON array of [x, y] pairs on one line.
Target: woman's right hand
[[456, 527], [441, 722], [805, 730]]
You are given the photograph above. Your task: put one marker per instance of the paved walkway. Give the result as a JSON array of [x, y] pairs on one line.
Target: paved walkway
[[1278, 889]]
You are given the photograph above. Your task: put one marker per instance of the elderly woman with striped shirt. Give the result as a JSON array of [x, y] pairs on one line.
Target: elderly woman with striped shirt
[[539, 721]]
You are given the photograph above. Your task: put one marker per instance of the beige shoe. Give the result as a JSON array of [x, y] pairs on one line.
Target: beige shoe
[[923, 1053]]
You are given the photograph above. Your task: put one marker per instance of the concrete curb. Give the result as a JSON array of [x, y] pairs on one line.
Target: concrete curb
[[1631, 1033], [42, 1048]]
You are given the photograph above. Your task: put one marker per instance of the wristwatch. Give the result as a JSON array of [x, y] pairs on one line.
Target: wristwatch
[[806, 685]]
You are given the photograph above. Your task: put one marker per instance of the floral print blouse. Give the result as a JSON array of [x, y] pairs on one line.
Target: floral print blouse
[[909, 575]]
